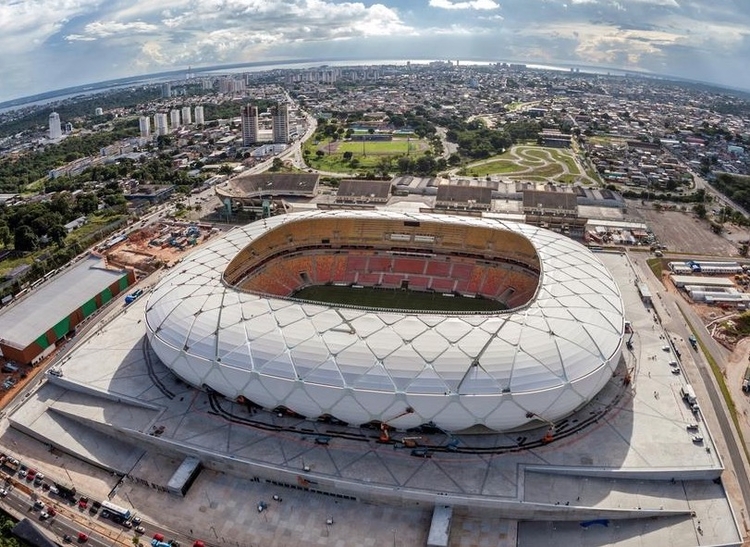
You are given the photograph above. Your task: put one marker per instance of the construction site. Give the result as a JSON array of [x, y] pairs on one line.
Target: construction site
[[152, 247]]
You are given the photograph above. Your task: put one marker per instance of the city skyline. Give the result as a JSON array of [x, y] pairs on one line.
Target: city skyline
[[52, 44]]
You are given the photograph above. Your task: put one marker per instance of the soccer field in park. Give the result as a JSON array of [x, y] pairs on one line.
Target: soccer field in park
[[364, 155], [399, 299], [382, 148]]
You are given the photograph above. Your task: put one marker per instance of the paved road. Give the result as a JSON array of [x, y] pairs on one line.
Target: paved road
[[720, 410], [679, 333], [70, 519]]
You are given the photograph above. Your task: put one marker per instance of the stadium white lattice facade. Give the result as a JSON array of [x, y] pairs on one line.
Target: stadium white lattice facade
[[223, 319]]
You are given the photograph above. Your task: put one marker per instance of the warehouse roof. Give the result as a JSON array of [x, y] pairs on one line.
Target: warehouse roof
[[32, 316]]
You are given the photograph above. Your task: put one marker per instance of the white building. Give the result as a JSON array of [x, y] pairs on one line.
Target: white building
[[160, 123], [187, 118], [98, 112], [249, 116], [540, 360], [280, 114], [55, 130], [144, 124], [199, 119], [174, 118]]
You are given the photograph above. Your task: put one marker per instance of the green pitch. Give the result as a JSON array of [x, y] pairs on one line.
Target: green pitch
[[396, 299]]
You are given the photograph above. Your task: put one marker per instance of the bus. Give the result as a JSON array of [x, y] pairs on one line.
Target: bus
[[116, 510]]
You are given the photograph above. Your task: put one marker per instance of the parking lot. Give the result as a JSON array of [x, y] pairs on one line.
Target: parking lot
[[679, 231]]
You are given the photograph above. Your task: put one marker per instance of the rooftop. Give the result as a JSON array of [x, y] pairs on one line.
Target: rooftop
[[21, 323]]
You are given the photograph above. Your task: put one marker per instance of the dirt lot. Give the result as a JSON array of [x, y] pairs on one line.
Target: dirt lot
[[685, 233], [150, 247]]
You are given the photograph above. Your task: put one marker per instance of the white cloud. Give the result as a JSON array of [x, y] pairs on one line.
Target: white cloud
[[107, 29], [468, 4], [27, 24], [140, 36]]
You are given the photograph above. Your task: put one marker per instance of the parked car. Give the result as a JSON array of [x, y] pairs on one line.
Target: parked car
[[83, 503]]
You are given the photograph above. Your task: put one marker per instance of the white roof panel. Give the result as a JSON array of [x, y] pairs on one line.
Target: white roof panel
[[573, 325]]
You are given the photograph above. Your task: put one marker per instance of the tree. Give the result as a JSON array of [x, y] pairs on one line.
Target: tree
[[5, 235], [57, 233], [700, 210], [277, 164], [24, 239], [348, 155]]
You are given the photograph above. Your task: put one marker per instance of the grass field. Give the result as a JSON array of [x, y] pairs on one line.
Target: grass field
[[380, 148], [495, 167], [367, 155], [529, 163], [396, 299]]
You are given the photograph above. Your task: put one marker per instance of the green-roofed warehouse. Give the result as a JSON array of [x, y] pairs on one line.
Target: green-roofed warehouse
[[31, 327]]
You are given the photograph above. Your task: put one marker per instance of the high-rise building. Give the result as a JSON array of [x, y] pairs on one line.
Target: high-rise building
[[280, 116], [199, 119], [166, 90], [187, 118], [231, 86], [160, 123], [55, 131], [144, 124], [174, 118], [249, 116]]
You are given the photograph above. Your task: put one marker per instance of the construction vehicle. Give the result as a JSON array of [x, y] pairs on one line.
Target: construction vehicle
[[411, 442], [549, 436], [385, 435]]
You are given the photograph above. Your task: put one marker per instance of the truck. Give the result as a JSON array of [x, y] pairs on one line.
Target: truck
[[10, 463], [688, 394], [66, 491], [693, 341], [133, 296], [746, 381], [159, 541]]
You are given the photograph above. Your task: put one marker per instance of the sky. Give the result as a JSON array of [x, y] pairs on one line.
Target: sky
[[52, 44]]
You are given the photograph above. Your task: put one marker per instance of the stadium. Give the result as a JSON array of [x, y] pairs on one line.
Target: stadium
[[466, 324]]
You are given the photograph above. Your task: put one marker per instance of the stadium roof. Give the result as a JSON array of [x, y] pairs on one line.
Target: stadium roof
[[270, 184], [32, 316], [362, 189], [552, 355]]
